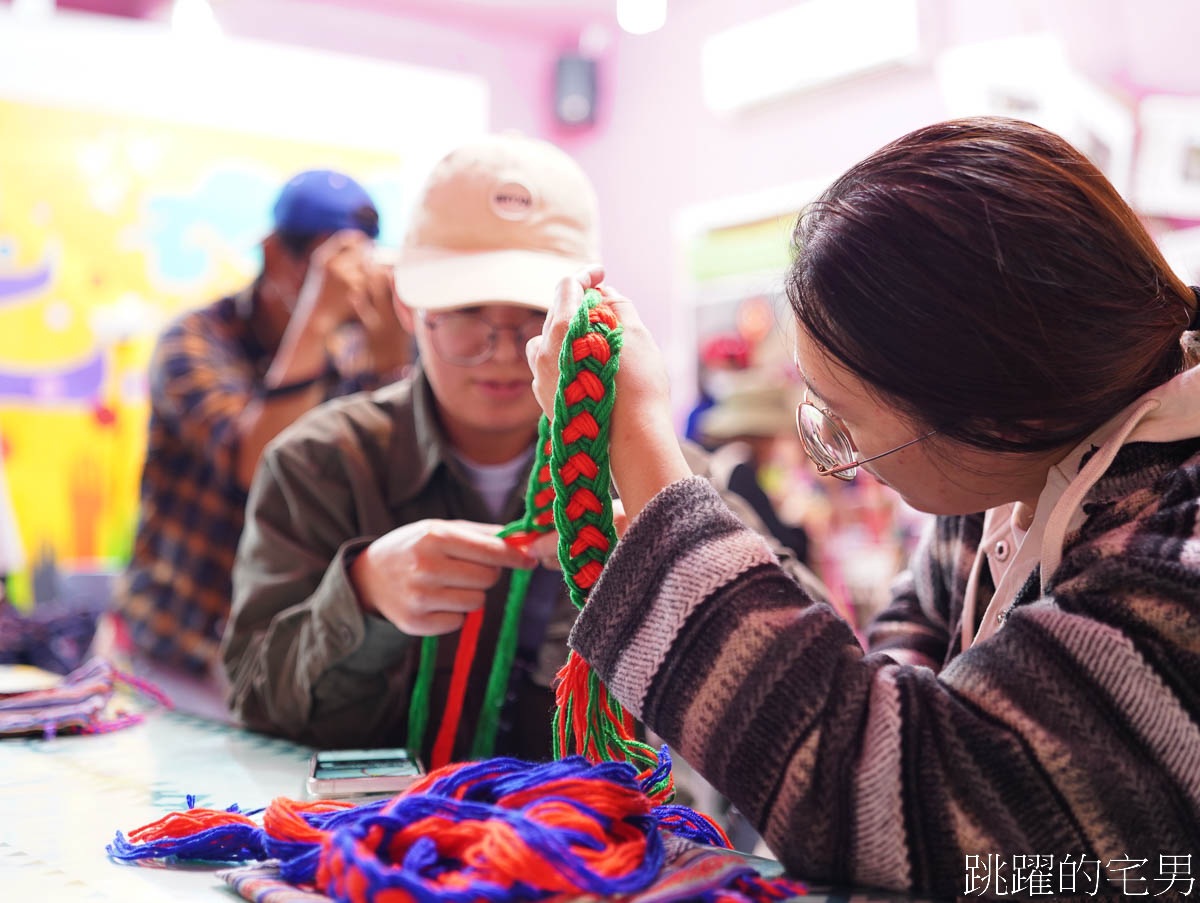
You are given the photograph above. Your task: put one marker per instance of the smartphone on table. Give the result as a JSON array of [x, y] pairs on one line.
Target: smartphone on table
[[340, 773]]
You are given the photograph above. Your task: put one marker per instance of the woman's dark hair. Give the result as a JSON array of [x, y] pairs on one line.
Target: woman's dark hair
[[989, 281]]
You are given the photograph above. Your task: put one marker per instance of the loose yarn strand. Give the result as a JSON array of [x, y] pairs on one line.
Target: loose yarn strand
[[418, 706]]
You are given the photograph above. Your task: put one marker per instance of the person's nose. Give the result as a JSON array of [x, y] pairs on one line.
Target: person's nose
[[509, 346]]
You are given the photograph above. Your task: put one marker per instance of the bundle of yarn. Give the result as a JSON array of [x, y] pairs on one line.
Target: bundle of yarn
[[588, 824], [499, 830]]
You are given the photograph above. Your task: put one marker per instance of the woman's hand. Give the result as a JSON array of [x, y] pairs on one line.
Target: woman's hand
[[641, 376], [644, 452]]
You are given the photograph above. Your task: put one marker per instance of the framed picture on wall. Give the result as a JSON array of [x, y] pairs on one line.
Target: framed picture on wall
[[1029, 77], [1017, 76], [1103, 126], [1168, 166]]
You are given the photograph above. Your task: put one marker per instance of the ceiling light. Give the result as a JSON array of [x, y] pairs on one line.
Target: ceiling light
[[641, 16], [194, 18]]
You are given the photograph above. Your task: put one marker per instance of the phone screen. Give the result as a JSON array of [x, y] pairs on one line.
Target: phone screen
[[364, 763]]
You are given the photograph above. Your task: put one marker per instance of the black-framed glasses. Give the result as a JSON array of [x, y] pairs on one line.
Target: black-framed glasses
[[828, 445], [465, 338]]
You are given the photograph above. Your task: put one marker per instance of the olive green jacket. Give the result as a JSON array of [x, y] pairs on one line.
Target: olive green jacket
[[303, 657]]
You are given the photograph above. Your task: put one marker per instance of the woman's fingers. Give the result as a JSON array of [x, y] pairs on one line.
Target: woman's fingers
[[542, 351], [620, 518]]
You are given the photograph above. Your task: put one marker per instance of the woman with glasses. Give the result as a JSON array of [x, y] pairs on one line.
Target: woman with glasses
[[985, 326]]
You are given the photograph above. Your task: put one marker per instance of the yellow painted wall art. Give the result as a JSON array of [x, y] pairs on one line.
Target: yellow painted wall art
[[110, 226]]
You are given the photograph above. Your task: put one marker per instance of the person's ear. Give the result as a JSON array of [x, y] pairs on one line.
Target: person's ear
[[405, 315], [280, 264], [272, 250]]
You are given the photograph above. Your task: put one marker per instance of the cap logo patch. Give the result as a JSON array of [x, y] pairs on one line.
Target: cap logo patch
[[512, 200]]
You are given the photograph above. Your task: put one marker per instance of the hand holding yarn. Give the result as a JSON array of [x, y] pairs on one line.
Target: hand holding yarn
[[502, 830], [643, 447], [425, 577], [642, 384]]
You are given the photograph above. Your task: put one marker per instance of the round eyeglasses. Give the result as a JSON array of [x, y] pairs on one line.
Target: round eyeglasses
[[464, 338], [828, 445]]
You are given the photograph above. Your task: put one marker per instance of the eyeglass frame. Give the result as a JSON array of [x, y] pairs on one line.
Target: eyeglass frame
[[493, 337], [840, 470]]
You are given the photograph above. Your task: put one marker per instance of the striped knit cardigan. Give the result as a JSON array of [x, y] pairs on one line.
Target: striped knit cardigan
[[1073, 732]]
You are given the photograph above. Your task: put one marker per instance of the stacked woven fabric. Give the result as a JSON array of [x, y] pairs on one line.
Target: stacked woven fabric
[[82, 702]]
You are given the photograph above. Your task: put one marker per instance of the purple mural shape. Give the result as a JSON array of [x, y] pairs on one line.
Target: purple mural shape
[[14, 285], [75, 383]]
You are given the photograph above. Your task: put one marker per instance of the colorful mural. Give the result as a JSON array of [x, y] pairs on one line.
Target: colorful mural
[[110, 225]]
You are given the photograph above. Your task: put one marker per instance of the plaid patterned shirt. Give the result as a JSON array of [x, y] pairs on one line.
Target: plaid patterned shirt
[[206, 369]]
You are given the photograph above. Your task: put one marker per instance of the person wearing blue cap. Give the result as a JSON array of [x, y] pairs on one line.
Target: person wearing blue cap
[[319, 321]]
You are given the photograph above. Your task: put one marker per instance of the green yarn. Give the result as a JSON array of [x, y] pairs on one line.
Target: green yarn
[[602, 708], [506, 649], [418, 704], [595, 448]]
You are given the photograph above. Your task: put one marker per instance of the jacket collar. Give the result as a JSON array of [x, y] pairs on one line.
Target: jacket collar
[[419, 446], [1168, 413]]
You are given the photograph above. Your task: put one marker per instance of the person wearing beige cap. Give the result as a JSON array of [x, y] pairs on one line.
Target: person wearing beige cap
[[372, 521]]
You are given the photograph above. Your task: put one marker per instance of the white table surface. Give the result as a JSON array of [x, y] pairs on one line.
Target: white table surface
[[62, 800]]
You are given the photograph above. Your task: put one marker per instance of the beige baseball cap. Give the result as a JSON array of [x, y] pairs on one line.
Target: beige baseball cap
[[758, 404], [502, 219]]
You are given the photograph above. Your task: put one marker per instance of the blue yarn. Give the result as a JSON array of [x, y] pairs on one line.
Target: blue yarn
[[298, 860], [222, 843], [494, 778], [468, 794], [684, 822], [661, 771]]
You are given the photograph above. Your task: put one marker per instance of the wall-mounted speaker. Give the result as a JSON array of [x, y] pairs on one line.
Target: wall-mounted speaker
[[575, 90]]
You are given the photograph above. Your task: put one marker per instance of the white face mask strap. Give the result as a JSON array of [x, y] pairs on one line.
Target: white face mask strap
[[1060, 517]]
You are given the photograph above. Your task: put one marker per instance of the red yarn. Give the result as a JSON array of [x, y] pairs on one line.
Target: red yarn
[[185, 824], [581, 425], [468, 639]]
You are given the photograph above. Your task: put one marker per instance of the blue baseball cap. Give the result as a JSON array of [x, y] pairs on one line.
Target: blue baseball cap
[[320, 201]]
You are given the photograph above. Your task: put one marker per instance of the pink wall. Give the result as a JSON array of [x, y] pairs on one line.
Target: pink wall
[[661, 149], [656, 147]]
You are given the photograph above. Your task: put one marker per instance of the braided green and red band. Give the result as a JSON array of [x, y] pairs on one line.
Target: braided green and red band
[[569, 489]]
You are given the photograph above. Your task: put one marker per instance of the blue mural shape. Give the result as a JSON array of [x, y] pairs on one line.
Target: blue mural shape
[[235, 204]]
